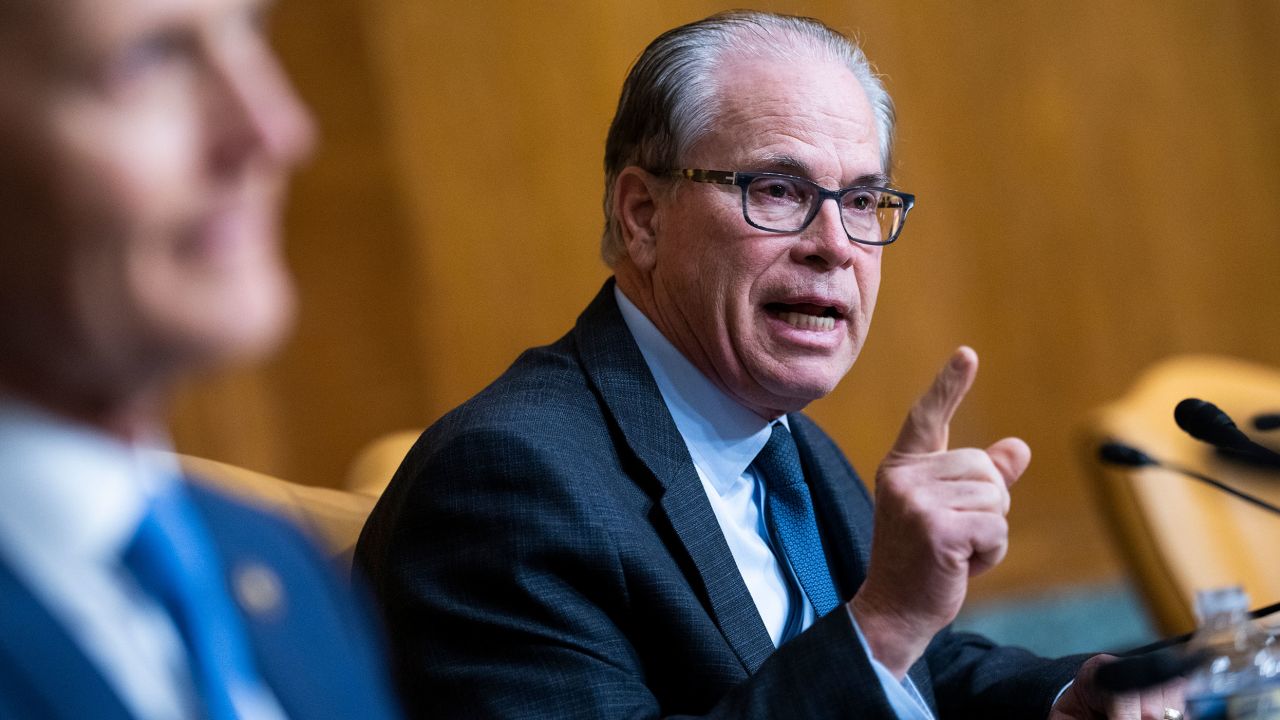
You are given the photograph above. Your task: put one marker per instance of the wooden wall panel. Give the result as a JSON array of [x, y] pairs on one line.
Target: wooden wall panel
[[1099, 187]]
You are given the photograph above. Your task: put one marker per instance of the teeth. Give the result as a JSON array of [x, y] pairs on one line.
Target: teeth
[[808, 322]]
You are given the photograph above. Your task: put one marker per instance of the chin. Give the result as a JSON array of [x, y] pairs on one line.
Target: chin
[[263, 329], [245, 326], [798, 389], [795, 399]]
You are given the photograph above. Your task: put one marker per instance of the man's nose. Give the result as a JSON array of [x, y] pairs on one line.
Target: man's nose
[[254, 113], [825, 242]]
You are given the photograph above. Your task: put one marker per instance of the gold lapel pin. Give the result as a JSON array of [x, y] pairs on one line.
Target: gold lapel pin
[[258, 589]]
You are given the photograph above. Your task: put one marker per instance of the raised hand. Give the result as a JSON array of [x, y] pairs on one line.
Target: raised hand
[[940, 519]]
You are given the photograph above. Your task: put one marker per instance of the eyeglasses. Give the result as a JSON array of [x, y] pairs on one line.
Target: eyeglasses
[[775, 202]]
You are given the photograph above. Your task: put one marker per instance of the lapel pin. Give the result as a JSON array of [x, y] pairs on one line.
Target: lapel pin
[[258, 589]]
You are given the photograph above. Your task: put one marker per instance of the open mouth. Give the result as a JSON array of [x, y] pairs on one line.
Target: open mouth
[[806, 316]]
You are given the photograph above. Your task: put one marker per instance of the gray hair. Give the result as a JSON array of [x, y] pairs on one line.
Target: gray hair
[[669, 95]]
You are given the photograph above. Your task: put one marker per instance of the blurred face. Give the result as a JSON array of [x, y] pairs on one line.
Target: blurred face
[[144, 148], [776, 320]]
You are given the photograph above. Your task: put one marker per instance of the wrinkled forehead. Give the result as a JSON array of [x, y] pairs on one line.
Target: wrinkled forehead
[[806, 114]]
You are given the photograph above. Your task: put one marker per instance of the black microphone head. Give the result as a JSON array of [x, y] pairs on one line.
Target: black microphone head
[[1143, 671], [1267, 421], [1205, 421], [1116, 453]]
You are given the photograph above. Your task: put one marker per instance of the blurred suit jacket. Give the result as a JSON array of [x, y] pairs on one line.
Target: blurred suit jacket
[[310, 640], [547, 550]]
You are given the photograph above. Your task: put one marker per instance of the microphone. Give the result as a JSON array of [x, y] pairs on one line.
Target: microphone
[[1146, 651], [1266, 421], [1157, 663], [1117, 453], [1207, 422], [1139, 672]]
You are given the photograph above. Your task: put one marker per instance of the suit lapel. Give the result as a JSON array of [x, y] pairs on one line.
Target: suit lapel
[[614, 365], [37, 654], [261, 596]]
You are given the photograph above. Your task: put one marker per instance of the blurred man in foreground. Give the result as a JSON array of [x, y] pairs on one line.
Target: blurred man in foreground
[[145, 147], [637, 521]]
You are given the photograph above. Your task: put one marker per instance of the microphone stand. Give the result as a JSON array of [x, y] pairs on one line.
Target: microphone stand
[[1156, 663]]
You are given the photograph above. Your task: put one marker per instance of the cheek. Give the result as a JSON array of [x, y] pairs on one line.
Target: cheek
[[132, 192], [686, 263], [731, 263], [118, 209], [129, 172], [868, 275], [724, 289]]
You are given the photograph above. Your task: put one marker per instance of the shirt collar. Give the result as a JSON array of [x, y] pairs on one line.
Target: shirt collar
[[722, 435], [70, 489]]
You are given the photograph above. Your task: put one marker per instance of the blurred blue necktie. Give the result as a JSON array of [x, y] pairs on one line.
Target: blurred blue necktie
[[173, 558], [789, 514]]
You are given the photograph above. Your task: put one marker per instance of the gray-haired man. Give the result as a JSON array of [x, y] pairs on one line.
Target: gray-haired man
[[637, 521]]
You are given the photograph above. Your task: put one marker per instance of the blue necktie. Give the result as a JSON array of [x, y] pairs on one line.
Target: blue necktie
[[789, 514], [173, 559]]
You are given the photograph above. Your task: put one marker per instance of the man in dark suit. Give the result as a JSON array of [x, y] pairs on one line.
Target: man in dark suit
[[637, 521], [144, 150]]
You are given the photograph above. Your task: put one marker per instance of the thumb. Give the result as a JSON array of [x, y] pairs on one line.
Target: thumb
[[1011, 457], [929, 422]]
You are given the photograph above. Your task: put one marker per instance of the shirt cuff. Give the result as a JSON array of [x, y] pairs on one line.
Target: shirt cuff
[[1058, 697], [904, 698]]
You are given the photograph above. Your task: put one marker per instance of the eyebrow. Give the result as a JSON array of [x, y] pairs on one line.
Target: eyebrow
[[791, 165]]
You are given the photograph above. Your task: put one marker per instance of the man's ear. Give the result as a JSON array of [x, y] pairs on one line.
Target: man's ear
[[635, 207]]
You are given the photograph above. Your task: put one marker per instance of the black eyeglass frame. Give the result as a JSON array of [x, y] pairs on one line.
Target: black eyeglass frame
[[744, 179]]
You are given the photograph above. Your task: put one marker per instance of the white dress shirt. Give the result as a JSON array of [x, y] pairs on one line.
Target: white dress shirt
[[723, 438], [70, 502]]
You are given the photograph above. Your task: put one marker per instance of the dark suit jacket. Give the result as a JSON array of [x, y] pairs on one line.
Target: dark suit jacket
[[547, 550], [312, 645]]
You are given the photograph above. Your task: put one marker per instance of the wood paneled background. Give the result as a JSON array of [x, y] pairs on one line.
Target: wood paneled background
[[1099, 187]]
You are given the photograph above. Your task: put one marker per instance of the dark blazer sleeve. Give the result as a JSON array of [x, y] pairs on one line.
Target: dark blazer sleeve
[[975, 678], [511, 594]]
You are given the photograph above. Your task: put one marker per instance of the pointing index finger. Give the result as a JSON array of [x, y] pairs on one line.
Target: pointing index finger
[[928, 425]]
